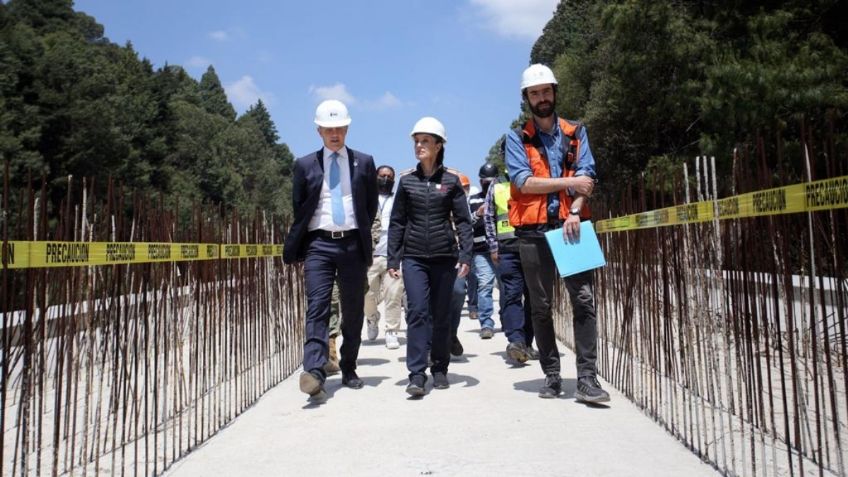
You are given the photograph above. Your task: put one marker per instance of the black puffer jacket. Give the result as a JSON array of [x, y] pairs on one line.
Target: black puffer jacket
[[421, 223]]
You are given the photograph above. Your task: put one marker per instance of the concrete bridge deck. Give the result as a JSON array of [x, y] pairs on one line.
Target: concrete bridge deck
[[490, 422]]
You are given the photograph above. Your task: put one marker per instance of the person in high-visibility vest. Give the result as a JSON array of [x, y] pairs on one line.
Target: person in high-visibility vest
[[552, 173], [483, 269], [514, 297]]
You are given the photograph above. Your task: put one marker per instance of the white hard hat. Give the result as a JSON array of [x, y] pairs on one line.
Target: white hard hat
[[535, 75], [430, 125], [332, 113]]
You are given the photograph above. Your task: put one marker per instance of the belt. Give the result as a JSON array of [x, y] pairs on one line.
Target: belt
[[335, 235]]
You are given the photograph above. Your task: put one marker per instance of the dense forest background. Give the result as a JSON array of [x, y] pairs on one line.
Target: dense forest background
[[74, 103], [657, 83], [660, 82]]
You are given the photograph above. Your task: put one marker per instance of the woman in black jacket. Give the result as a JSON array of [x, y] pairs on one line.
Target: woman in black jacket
[[429, 200]]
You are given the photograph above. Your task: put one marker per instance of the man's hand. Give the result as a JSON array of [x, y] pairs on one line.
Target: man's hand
[[582, 185], [495, 258], [571, 229], [393, 273], [480, 211], [463, 270]]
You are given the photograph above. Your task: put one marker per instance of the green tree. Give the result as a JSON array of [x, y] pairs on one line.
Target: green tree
[[259, 115], [213, 97], [660, 82]]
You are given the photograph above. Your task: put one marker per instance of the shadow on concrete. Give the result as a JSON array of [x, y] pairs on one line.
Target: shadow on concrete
[[455, 379], [314, 402], [373, 381], [476, 331], [593, 405], [569, 385], [511, 362], [463, 358], [372, 361], [334, 384], [453, 359], [382, 342]]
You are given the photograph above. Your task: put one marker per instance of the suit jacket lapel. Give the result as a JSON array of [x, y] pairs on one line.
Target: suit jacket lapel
[[319, 178], [352, 168], [319, 156]]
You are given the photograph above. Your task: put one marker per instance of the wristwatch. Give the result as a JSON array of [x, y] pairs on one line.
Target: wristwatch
[[574, 211]]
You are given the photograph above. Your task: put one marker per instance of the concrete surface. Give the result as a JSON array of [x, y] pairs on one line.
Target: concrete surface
[[490, 422]]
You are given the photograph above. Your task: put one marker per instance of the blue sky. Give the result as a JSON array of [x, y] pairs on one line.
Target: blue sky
[[391, 61]]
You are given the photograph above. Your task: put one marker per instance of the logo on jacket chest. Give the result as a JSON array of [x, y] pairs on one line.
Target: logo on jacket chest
[[442, 188]]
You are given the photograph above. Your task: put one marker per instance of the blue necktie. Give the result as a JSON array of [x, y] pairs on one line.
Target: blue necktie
[[336, 189]]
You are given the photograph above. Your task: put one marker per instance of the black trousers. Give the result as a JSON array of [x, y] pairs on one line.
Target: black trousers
[[325, 258], [540, 275], [429, 288]]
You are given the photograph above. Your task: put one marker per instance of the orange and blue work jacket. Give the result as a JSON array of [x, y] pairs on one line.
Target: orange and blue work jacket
[[531, 153]]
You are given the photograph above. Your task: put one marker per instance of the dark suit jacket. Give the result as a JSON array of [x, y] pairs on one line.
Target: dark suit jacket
[[306, 190]]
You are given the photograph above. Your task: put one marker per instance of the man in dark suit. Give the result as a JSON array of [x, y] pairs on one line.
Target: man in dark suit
[[334, 196]]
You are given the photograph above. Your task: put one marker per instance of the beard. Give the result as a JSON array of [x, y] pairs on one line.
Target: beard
[[543, 109]]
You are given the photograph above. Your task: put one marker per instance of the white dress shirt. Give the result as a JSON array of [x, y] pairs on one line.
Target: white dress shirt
[[323, 217], [385, 202]]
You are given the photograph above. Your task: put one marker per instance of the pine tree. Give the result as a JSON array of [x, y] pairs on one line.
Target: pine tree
[[260, 115], [213, 97]]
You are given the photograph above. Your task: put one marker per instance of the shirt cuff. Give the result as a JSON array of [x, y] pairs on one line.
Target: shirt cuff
[[520, 178]]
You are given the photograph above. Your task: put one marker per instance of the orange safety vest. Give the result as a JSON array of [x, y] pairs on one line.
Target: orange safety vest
[[532, 209]]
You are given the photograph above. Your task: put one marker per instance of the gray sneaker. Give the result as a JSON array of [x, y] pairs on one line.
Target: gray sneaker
[[552, 387], [487, 333], [415, 388], [589, 390], [440, 381]]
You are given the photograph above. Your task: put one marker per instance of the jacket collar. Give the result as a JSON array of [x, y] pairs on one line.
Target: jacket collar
[[436, 174]]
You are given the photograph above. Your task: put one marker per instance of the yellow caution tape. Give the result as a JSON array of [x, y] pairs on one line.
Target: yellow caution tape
[[823, 194], [22, 254]]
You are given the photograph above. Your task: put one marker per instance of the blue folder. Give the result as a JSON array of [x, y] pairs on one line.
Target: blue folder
[[572, 258]]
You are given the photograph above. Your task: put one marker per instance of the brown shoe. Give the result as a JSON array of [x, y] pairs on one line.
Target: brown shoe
[[311, 384], [332, 364]]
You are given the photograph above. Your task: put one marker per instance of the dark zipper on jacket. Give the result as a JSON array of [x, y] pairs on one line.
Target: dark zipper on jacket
[[427, 214]]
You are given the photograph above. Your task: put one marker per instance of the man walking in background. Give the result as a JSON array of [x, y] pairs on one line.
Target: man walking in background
[[381, 285]]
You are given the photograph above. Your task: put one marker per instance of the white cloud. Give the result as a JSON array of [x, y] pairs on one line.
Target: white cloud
[[337, 91], [244, 93], [198, 62], [388, 100], [219, 35], [510, 18]]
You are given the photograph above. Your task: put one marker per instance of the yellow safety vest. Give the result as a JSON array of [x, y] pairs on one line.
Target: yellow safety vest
[[503, 228]]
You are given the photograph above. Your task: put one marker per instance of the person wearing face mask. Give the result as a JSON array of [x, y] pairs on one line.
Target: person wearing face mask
[[381, 285], [429, 204]]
